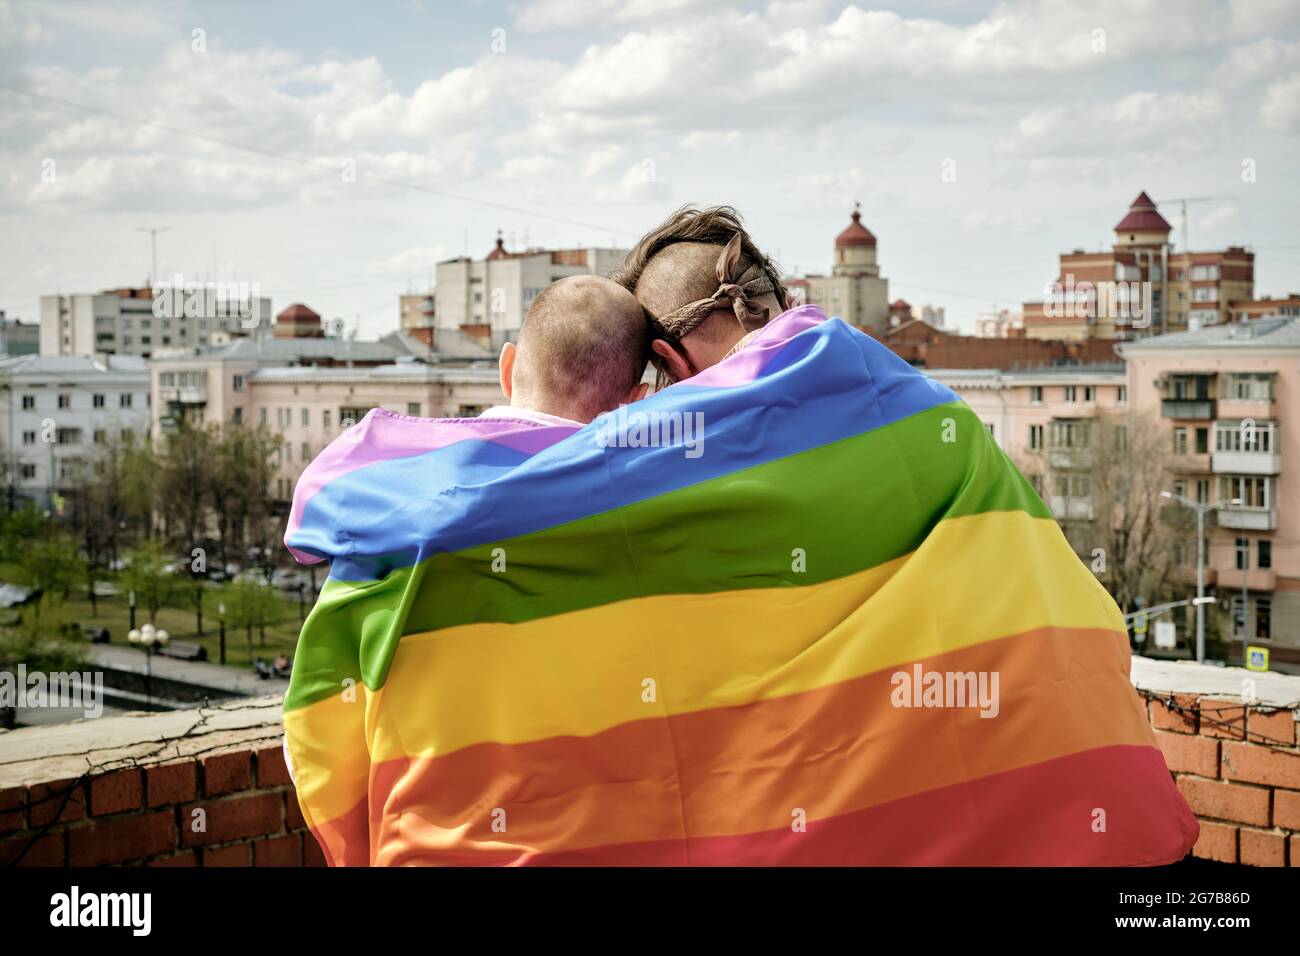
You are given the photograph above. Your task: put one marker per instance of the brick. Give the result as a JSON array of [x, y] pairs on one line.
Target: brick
[[311, 852], [1162, 718], [186, 858], [1226, 801], [45, 802], [116, 792], [1278, 726], [121, 839], [1286, 809], [1223, 719], [237, 855], [13, 815], [271, 769], [1256, 764], [48, 850], [278, 851], [1187, 754], [227, 773], [168, 784], [1218, 841], [293, 817], [1295, 850], [234, 818], [1261, 848]]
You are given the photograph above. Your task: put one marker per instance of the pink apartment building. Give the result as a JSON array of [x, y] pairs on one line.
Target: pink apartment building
[[1230, 396]]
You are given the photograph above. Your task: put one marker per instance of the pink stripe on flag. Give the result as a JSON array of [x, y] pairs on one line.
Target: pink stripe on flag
[[747, 364], [383, 435]]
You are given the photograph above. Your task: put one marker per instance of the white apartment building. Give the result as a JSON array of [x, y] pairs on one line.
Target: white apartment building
[[138, 322], [488, 298], [55, 411]]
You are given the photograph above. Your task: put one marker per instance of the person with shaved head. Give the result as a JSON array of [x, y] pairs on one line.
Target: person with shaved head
[[582, 351], [705, 286]]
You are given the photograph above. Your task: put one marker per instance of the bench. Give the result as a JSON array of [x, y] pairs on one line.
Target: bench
[[184, 651]]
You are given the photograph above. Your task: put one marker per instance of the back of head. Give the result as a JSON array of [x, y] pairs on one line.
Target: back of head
[[677, 264], [582, 348]]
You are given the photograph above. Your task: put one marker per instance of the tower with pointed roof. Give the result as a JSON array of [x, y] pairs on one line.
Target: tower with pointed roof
[[855, 290]]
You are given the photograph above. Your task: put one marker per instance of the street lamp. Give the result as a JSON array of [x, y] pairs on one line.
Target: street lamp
[[148, 636], [1202, 508], [221, 617]]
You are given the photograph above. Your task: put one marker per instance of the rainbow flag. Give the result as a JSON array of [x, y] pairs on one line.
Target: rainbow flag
[[799, 609]]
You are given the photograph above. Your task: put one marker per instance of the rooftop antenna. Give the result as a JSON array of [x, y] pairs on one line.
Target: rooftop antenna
[[1184, 200], [153, 248]]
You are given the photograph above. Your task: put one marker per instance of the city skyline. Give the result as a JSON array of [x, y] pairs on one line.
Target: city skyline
[[981, 139]]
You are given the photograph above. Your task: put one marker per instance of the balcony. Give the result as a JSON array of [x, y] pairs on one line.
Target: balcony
[[1072, 459], [1192, 409], [1071, 509], [1231, 580], [1248, 518], [184, 395], [1260, 410], [1246, 463], [1190, 464]]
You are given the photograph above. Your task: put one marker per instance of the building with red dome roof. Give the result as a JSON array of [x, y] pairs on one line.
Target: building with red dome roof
[[855, 290]]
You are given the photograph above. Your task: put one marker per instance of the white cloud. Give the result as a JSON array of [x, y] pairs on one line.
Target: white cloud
[[1280, 109]]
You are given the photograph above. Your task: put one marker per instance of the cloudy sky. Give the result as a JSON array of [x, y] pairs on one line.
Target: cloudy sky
[[334, 152]]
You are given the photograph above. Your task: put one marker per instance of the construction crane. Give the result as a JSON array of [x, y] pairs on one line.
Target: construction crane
[[1183, 201]]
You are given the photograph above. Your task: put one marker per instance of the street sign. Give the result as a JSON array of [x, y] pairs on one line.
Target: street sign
[[1166, 635], [1256, 658]]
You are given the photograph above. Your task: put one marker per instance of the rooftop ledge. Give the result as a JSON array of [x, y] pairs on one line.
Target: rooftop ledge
[[119, 789]]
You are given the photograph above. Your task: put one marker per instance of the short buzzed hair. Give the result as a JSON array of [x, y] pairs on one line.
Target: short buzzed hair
[[583, 347]]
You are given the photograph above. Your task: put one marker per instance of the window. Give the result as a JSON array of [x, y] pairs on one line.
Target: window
[[1036, 482], [1263, 618], [1180, 441], [1202, 490], [124, 400], [306, 452], [470, 411], [1202, 441], [28, 471], [325, 419], [413, 408], [1036, 437], [1254, 492], [65, 400], [350, 416], [237, 383], [1036, 394], [1239, 611], [1180, 488], [1121, 438], [238, 416], [1205, 293], [1264, 551], [1072, 484], [989, 426], [1251, 386], [261, 416], [1089, 393], [306, 418], [29, 402], [68, 436], [98, 401], [1234, 436], [128, 435], [101, 436], [1204, 273], [1243, 554], [1121, 395], [29, 438], [1071, 393], [1068, 433]]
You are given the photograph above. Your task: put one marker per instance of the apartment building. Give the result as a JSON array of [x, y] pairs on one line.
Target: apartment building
[[1142, 285], [855, 291], [488, 298], [1040, 417], [57, 410], [1229, 396], [133, 321]]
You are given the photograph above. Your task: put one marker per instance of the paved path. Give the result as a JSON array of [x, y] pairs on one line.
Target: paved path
[[239, 681]]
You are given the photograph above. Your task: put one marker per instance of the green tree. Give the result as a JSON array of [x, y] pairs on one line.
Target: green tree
[[146, 574]]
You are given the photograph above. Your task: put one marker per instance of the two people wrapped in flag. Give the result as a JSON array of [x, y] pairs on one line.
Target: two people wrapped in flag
[[794, 607]]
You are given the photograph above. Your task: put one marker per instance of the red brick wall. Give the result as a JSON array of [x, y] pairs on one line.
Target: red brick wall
[[1239, 769], [146, 816]]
